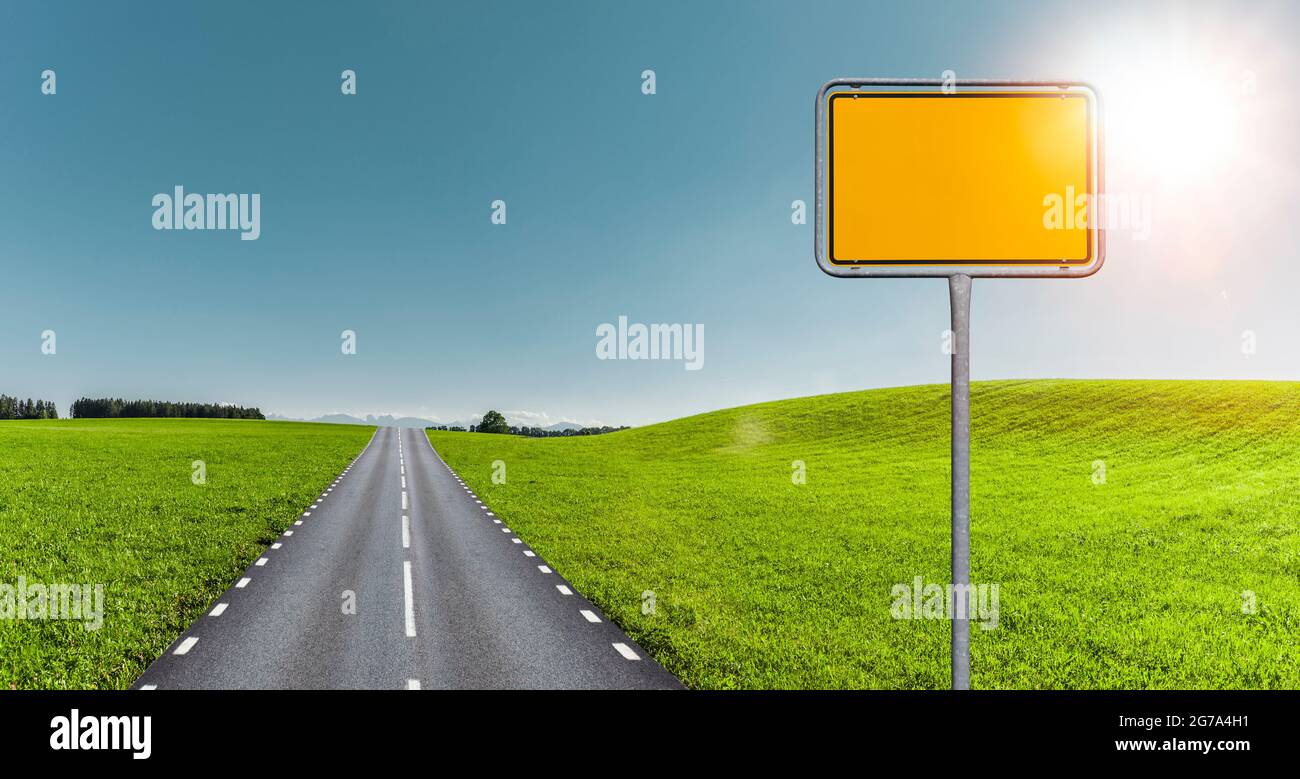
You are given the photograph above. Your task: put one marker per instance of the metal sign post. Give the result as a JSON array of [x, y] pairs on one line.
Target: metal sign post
[[959, 302], [922, 178]]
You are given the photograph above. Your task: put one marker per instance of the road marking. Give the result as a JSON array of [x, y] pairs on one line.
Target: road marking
[[403, 482], [626, 652], [243, 583], [563, 590], [276, 545], [412, 684], [517, 540], [306, 513], [148, 686], [299, 522], [403, 470], [314, 505], [490, 514], [476, 500], [403, 500], [496, 521], [529, 553], [485, 509], [260, 561], [288, 532], [186, 646], [505, 530], [590, 615], [406, 532], [216, 611], [410, 604], [544, 568]]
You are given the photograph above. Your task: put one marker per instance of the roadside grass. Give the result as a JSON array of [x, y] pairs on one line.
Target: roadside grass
[[111, 501], [757, 582]]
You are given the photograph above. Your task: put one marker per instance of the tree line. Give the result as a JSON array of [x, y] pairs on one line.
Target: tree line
[[495, 422], [16, 408], [101, 408]]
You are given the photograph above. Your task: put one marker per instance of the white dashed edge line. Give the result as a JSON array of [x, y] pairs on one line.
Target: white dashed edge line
[[186, 646], [626, 651]]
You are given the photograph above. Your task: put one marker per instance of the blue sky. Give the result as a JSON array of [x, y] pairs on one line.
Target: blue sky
[[672, 207]]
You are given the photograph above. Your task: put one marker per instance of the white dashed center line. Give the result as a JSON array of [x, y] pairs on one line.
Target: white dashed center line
[[404, 506], [406, 532], [410, 604], [186, 646], [412, 684]]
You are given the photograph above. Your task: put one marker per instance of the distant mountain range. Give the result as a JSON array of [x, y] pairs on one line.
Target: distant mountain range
[[385, 420], [388, 420]]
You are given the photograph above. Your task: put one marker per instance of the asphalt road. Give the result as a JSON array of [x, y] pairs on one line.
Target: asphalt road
[[445, 595]]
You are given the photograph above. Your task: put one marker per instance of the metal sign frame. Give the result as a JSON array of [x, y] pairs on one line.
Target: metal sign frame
[[821, 248]]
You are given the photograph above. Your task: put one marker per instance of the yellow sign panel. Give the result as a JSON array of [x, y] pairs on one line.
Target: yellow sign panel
[[917, 178]]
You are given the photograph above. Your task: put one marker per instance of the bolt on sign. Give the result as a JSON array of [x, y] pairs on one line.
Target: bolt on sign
[[983, 179], [958, 179]]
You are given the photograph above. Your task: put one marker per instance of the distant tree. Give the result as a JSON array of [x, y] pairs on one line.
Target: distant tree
[[89, 408], [13, 408], [493, 422]]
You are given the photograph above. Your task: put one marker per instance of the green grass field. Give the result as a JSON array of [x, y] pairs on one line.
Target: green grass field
[[111, 501], [758, 582]]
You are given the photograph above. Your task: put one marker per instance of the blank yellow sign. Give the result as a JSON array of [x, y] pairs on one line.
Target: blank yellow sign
[[979, 178]]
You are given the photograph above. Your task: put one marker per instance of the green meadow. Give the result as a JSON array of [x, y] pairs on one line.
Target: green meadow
[[113, 502], [1142, 534]]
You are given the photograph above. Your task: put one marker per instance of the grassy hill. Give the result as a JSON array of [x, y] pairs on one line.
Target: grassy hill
[[112, 502], [1144, 580]]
